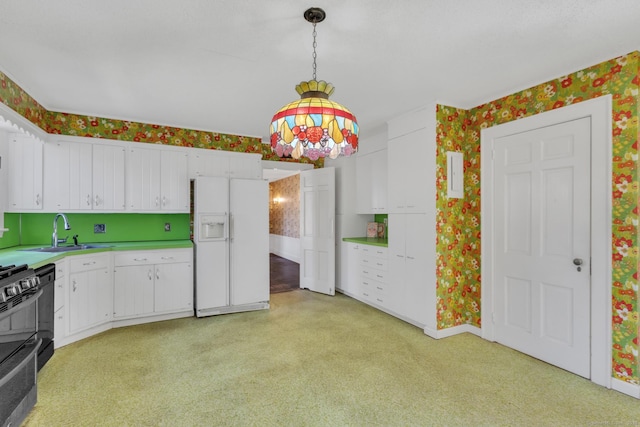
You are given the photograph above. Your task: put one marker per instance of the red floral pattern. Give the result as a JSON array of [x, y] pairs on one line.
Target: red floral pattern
[[458, 221]]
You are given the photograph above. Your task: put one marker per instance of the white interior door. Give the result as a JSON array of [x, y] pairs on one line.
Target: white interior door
[[317, 230], [542, 243]]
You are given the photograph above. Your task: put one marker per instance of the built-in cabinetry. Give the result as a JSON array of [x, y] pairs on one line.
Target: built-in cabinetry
[[24, 172], [410, 169], [60, 296], [372, 274], [90, 292], [95, 292], [152, 282], [157, 180], [83, 176], [371, 181], [204, 162]]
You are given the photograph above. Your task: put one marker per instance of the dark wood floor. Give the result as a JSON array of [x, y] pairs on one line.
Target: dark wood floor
[[284, 274]]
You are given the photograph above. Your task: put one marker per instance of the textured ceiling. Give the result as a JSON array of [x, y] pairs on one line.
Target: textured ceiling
[[227, 66]]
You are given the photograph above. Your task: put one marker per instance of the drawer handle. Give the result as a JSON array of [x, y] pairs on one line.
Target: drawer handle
[[400, 256], [365, 283], [378, 287], [88, 263], [139, 259], [379, 300], [410, 257], [377, 275], [379, 263], [365, 272], [365, 294], [166, 257]]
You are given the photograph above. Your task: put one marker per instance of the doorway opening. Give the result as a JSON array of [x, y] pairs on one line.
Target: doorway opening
[[284, 227]]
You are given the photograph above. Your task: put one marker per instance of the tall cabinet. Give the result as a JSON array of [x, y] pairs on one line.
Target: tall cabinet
[[412, 216]]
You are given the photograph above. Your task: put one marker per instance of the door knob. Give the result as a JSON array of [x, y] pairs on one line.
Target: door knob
[[577, 261]]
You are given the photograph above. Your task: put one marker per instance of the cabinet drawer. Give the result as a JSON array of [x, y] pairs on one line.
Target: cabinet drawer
[[372, 262], [373, 274], [152, 257], [78, 264], [61, 269], [373, 251], [59, 294]]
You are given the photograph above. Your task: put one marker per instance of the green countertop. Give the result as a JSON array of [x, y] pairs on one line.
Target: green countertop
[[18, 255], [373, 241]]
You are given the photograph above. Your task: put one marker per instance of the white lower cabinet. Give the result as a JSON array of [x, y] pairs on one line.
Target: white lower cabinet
[[349, 276], [90, 291], [60, 297], [372, 283], [152, 282], [96, 292]]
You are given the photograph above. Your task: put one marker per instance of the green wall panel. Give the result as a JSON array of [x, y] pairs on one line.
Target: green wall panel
[[11, 237], [36, 228]]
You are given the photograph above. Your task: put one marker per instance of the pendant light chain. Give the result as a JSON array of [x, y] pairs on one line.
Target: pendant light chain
[[314, 51]]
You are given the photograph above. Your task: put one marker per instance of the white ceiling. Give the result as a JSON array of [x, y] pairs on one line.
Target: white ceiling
[[228, 66]]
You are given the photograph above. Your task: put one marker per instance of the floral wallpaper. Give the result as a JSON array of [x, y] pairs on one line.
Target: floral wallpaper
[[18, 100], [284, 207], [458, 221], [97, 127]]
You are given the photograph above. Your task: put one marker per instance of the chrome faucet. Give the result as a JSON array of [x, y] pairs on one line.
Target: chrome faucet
[[54, 237]]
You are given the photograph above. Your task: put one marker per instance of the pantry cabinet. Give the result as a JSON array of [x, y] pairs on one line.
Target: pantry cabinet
[[152, 282], [90, 291], [24, 173], [83, 176], [412, 267]]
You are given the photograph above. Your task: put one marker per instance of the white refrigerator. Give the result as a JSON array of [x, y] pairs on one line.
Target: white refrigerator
[[231, 237]]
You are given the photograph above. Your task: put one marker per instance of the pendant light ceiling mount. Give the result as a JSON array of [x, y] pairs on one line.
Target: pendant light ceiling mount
[[314, 15], [314, 126]]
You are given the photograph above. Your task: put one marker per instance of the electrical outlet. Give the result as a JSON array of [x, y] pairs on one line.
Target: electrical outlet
[[99, 228], [167, 226]]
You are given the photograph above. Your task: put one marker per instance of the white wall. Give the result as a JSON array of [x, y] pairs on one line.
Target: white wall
[[285, 247]]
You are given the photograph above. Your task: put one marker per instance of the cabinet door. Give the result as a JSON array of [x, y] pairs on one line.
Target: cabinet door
[[143, 179], [418, 281], [364, 185], [174, 182], [89, 299], [349, 270], [173, 287], [68, 176], [24, 173], [108, 177], [379, 181], [208, 163], [419, 171], [397, 261], [133, 291], [246, 166]]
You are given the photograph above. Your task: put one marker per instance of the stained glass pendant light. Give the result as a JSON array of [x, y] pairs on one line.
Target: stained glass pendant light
[[314, 126]]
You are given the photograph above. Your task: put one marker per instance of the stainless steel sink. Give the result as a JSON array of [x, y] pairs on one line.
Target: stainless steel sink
[[66, 248]]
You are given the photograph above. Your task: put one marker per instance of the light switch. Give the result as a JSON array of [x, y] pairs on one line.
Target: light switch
[[455, 175]]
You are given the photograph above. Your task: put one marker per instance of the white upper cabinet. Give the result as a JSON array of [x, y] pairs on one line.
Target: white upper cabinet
[[412, 157], [157, 180], [83, 176], [24, 166], [371, 182], [204, 162], [174, 181]]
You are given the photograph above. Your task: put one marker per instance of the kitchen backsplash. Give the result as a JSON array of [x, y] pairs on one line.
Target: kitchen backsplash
[[36, 228]]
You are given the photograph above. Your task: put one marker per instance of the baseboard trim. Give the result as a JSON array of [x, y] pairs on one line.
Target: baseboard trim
[[455, 330], [629, 389]]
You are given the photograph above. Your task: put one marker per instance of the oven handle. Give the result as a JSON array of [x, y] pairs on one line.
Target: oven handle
[[20, 365], [20, 306]]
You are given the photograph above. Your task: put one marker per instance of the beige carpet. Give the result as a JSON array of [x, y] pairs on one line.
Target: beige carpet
[[311, 360]]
